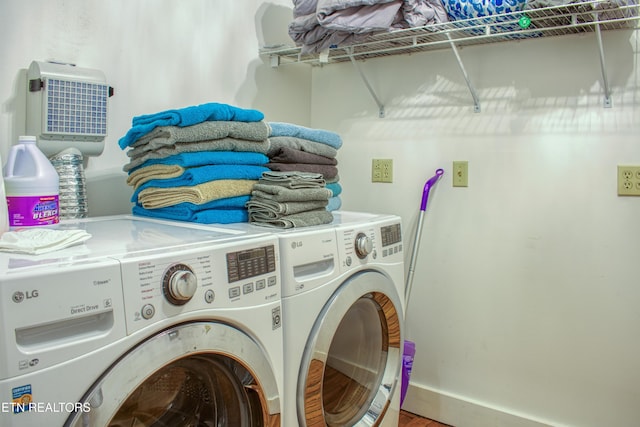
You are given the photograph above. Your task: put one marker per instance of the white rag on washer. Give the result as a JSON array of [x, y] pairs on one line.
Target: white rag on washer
[[36, 241]]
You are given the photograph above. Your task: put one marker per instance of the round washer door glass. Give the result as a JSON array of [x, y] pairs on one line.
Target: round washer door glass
[[193, 375], [353, 362]]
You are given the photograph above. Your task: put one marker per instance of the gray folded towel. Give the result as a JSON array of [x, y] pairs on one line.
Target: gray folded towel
[[292, 155], [283, 194], [205, 131], [293, 179], [301, 219], [277, 142], [138, 157], [327, 171], [268, 208]]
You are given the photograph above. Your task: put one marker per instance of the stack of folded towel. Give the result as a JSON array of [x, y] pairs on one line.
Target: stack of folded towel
[[196, 164], [301, 149], [290, 199]]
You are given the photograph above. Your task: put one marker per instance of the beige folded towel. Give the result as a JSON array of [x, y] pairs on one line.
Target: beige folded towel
[[147, 173], [155, 197]]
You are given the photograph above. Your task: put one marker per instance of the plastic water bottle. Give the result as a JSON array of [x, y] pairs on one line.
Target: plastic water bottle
[[32, 186]]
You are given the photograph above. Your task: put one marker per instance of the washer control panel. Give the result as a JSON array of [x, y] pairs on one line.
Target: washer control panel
[[249, 263], [179, 284], [242, 274]]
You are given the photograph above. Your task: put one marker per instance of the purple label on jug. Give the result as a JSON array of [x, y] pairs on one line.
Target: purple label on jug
[[27, 211]]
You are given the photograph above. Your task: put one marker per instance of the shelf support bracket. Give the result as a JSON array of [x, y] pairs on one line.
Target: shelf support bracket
[[366, 82], [474, 95], [605, 81]]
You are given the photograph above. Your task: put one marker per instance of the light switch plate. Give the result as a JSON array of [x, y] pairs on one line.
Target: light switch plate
[[460, 173]]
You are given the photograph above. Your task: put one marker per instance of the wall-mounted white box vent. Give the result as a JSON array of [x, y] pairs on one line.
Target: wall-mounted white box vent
[[67, 106]]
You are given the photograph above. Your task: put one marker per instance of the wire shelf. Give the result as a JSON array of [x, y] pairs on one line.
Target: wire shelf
[[575, 18]]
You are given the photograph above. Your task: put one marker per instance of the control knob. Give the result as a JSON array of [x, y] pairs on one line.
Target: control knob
[[179, 284], [363, 245]]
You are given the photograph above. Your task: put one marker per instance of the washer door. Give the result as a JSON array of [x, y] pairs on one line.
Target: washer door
[[196, 374], [353, 357]]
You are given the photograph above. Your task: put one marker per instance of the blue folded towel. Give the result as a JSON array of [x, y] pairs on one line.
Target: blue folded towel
[[317, 135], [204, 158], [335, 188], [142, 125], [202, 174], [334, 204], [227, 210], [207, 216]]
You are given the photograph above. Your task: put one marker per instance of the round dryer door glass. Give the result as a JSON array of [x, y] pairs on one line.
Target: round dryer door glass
[[355, 363]]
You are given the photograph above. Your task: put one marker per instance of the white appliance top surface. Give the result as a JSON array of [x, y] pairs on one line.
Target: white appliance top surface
[[340, 219], [349, 218], [123, 235]]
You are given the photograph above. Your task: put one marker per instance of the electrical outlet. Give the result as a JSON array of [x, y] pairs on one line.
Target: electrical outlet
[[382, 170], [460, 174], [628, 180]]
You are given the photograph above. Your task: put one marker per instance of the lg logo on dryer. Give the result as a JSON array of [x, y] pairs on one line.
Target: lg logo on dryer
[[19, 296]]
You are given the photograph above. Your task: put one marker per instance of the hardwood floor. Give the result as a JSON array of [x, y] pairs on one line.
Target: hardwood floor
[[407, 419]]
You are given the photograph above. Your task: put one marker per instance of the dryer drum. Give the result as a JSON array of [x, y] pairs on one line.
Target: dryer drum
[[194, 391]]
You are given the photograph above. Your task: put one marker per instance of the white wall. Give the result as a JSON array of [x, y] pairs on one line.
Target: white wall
[[158, 55], [525, 300]]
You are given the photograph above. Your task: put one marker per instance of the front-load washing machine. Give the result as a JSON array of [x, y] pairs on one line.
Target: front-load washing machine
[[342, 307], [149, 323]]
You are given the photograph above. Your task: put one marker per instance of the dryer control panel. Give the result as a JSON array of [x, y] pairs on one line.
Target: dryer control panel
[[361, 244]]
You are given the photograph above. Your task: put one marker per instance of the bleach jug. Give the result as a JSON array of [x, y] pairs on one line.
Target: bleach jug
[[32, 186]]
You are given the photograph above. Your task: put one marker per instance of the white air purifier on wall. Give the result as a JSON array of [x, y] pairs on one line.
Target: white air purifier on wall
[[67, 111]]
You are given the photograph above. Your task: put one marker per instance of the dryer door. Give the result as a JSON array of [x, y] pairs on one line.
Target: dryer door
[[196, 374], [353, 357]]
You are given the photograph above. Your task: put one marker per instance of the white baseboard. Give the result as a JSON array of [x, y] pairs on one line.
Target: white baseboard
[[459, 412]]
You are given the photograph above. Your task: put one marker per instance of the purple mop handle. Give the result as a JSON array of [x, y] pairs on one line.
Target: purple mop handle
[[416, 244], [427, 187]]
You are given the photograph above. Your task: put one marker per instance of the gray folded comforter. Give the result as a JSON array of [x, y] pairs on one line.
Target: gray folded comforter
[[320, 24]]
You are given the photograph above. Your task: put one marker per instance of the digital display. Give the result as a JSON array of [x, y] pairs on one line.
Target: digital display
[[391, 234], [250, 263], [252, 254]]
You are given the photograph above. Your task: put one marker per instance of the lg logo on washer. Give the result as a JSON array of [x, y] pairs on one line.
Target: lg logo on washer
[[19, 296]]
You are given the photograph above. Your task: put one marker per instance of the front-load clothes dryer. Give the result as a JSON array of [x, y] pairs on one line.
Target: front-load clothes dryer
[[342, 307], [149, 323]]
